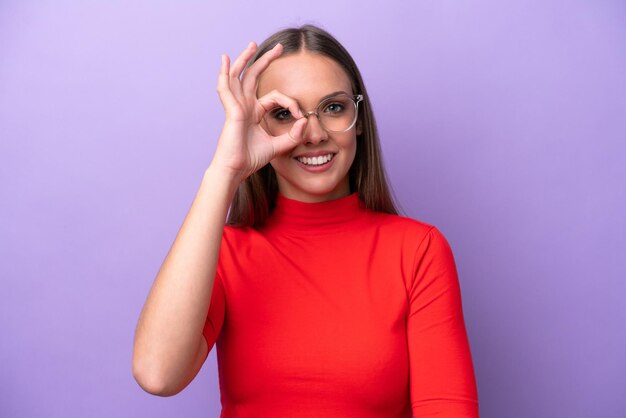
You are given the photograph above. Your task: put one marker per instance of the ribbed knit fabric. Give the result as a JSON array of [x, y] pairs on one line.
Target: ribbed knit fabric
[[332, 310]]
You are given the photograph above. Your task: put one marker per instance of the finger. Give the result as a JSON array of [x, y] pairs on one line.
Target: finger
[[243, 58], [223, 83], [276, 99], [238, 66], [250, 78], [287, 142]]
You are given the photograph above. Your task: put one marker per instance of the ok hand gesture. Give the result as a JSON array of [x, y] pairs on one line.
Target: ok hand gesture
[[244, 146]]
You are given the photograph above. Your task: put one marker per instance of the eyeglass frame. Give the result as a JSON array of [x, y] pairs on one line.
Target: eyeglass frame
[[355, 99]]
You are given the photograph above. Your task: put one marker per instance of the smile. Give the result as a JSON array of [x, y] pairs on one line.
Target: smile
[[316, 161]]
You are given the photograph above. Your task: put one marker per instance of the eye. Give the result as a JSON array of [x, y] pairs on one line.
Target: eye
[[334, 108], [281, 115]]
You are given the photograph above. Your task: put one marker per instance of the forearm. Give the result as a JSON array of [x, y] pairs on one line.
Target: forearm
[[169, 330]]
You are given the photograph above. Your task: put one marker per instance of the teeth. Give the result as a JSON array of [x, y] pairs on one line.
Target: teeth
[[322, 159]]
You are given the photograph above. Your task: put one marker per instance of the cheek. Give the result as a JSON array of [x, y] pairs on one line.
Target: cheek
[[352, 145], [279, 163]]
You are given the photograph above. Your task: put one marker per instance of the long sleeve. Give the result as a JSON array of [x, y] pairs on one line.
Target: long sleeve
[[442, 382]]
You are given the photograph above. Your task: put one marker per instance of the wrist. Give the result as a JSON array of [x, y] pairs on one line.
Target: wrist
[[224, 176]]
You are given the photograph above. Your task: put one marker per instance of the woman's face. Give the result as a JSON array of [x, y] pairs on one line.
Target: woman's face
[[309, 78]]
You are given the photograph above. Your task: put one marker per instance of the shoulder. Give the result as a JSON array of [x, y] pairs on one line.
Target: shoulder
[[414, 235], [400, 225], [245, 239], [240, 235], [398, 221]]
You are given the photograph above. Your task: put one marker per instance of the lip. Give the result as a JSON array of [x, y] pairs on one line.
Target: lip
[[316, 168]]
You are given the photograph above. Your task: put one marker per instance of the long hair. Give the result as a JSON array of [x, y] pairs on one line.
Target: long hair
[[255, 198]]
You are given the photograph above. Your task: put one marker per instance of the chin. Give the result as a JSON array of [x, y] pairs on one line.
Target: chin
[[316, 193], [296, 182]]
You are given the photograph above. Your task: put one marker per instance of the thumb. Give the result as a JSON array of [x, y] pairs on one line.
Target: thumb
[[286, 142]]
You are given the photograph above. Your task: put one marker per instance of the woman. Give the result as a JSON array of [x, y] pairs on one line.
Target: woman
[[322, 301]]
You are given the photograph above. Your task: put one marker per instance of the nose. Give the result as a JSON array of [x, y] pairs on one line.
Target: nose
[[314, 132]]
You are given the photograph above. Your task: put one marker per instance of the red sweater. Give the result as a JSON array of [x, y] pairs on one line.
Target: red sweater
[[332, 310]]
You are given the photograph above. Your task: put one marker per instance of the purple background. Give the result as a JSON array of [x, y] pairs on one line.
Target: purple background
[[502, 123]]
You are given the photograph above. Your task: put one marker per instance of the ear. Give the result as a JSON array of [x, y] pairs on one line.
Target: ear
[[359, 128]]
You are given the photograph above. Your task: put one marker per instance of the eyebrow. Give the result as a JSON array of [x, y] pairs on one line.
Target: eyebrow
[[328, 96]]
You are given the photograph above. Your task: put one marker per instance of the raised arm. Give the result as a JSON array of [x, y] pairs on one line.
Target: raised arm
[[169, 348]]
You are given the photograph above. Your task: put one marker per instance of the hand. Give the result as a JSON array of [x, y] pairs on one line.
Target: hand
[[244, 146]]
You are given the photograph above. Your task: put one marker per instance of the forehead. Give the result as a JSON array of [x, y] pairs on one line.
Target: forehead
[[304, 76]]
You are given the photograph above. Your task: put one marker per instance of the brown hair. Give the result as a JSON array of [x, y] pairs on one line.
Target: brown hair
[[256, 196]]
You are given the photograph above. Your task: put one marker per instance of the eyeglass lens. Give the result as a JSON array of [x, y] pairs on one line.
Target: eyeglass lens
[[336, 114]]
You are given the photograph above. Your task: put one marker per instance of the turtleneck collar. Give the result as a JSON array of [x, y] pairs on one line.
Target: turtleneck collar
[[327, 216]]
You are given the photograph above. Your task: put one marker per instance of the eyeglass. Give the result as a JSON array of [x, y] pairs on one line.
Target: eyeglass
[[336, 114]]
